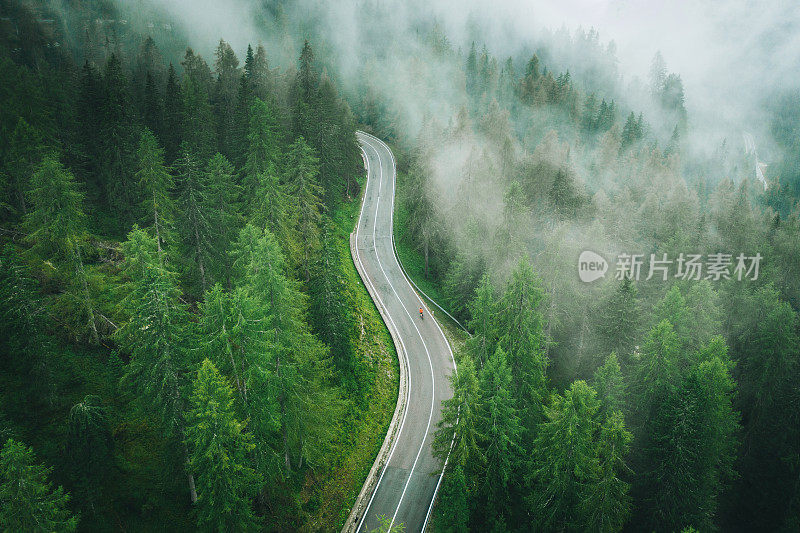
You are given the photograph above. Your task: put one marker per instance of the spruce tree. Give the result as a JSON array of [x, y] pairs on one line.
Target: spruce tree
[[606, 504], [56, 226], [195, 216], [564, 459], [219, 450], [28, 501], [500, 429], [520, 321], [156, 184], [173, 116], [224, 216], [305, 193], [610, 387]]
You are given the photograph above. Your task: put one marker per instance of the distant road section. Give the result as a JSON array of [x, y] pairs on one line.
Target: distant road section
[[407, 478]]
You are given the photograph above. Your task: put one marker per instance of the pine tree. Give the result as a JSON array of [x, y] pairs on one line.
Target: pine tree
[[219, 455], [28, 501], [330, 312], [501, 430], [453, 510], [457, 432], [656, 371], [56, 226], [304, 93], [610, 387], [224, 98], [155, 336], [606, 504], [264, 145], [23, 155], [691, 451], [173, 116], [520, 321], [117, 145], [241, 122], [564, 459], [195, 216], [629, 136], [483, 310], [197, 124], [153, 112], [619, 321], [271, 209], [305, 193], [298, 364], [259, 75], [471, 71], [156, 184], [224, 216]]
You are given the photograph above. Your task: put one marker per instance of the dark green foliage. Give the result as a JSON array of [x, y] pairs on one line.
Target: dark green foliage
[[156, 184], [521, 326], [610, 387], [223, 216], [330, 314], [173, 116], [302, 185], [219, 456], [87, 152], [116, 141], [89, 445], [28, 501], [500, 429], [618, 324], [264, 145], [453, 510], [197, 215], [156, 333]]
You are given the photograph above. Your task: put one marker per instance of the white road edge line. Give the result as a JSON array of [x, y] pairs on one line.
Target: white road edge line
[[455, 366]]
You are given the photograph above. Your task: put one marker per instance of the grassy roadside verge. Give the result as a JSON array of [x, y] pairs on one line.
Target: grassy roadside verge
[[327, 499]]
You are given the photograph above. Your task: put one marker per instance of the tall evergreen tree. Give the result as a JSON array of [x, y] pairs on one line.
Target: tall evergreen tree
[[117, 145], [520, 321], [606, 504], [28, 501], [619, 321], [219, 454], [564, 459], [195, 216], [610, 387], [301, 178], [501, 432], [155, 336], [173, 116], [264, 145], [156, 184], [56, 226], [224, 215]]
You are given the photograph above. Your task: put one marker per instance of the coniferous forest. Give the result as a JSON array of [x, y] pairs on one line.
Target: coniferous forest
[[185, 342]]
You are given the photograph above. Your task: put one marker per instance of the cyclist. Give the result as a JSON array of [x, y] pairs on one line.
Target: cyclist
[[420, 313]]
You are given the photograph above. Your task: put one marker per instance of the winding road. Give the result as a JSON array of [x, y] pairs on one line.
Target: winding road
[[407, 483]]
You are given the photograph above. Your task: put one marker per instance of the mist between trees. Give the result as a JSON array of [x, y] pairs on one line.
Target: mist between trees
[[153, 205]]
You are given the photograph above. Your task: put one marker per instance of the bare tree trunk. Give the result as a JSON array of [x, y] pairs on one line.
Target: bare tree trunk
[[190, 477]]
